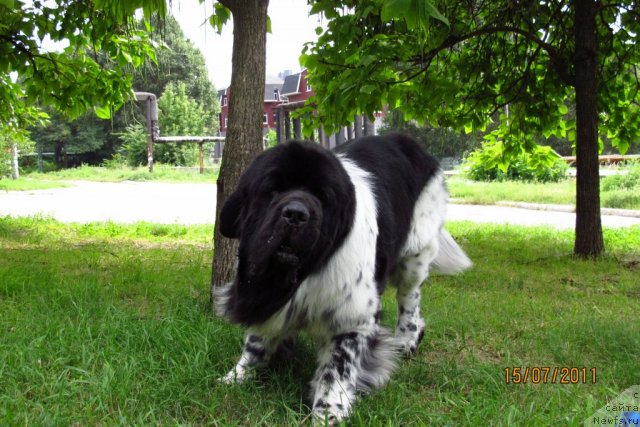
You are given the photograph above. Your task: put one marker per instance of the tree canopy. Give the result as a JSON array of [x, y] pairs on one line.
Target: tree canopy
[[177, 61], [72, 80], [476, 59], [460, 62]]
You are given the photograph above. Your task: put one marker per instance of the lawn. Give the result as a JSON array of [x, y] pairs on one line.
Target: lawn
[[106, 324], [561, 193], [463, 190], [27, 184], [165, 173]]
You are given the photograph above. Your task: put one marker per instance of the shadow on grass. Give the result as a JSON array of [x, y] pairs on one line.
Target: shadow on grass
[[99, 327]]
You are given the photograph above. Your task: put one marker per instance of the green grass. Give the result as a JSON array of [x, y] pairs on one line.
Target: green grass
[[561, 193], [107, 324], [27, 184], [163, 173], [486, 193]]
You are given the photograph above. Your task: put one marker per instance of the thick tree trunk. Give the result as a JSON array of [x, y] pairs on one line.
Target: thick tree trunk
[[244, 134], [589, 241]]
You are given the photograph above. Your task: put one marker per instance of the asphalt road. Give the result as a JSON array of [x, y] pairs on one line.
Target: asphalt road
[[128, 202]]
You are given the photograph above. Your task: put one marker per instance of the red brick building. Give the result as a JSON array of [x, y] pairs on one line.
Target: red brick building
[[294, 88]]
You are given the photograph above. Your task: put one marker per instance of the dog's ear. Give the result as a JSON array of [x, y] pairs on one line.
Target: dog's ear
[[230, 216]]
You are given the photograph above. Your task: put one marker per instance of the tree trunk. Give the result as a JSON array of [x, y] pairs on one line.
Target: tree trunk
[[589, 241], [244, 133]]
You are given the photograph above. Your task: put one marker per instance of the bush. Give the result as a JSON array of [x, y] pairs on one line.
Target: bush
[[489, 163], [629, 181], [439, 142], [134, 145]]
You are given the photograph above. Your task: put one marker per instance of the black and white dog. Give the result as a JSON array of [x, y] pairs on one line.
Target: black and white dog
[[320, 234]]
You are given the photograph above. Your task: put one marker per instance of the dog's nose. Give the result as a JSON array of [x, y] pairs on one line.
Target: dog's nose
[[295, 213]]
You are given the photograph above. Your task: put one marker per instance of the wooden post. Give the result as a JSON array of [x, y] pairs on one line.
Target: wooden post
[[357, 124], [39, 158], [281, 130], [296, 128], [340, 138], [201, 158], [287, 125], [369, 127]]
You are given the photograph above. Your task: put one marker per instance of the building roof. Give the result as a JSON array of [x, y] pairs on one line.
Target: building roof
[[269, 90], [291, 84]]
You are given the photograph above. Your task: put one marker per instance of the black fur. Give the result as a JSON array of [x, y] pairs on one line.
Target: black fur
[[274, 257], [267, 277], [400, 169]]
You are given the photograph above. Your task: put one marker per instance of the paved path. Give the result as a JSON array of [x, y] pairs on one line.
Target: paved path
[[195, 204]]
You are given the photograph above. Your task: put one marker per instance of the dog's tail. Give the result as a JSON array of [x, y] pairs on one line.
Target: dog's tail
[[451, 259]]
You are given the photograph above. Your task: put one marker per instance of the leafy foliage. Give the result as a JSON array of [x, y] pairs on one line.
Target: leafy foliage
[[628, 181], [72, 80], [540, 165], [9, 137], [440, 142], [93, 140], [490, 55], [61, 135], [134, 145], [178, 114], [179, 61]]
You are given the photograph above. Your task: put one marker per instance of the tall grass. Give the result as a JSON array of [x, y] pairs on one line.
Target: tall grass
[[106, 324]]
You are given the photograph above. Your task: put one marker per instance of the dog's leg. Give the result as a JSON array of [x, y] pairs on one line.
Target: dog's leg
[[411, 272], [334, 383], [354, 361], [256, 353]]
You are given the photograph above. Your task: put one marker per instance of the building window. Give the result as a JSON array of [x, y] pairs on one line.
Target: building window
[[264, 119], [225, 122], [224, 100], [275, 117], [308, 87]]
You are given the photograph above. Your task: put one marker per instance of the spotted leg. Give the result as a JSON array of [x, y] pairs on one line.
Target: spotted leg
[[412, 271], [256, 353], [353, 361]]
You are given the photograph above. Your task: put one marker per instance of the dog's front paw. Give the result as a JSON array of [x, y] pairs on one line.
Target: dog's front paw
[[409, 336], [237, 375], [328, 414]]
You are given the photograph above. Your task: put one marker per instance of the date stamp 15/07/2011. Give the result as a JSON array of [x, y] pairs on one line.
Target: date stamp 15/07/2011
[[550, 375]]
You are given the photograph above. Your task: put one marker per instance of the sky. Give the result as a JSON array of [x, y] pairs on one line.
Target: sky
[[291, 27]]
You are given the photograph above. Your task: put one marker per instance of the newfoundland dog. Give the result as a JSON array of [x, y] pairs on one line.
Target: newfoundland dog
[[320, 234]]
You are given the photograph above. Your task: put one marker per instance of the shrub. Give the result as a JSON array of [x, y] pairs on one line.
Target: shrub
[[628, 181], [489, 163], [134, 145]]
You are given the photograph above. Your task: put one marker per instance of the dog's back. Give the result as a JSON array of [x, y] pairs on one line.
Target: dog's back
[[400, 170]]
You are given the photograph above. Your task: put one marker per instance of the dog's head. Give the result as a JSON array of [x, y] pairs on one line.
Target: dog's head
[[292, 209]]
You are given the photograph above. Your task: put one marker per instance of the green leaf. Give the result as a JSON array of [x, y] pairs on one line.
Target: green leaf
[[103, 112], [562, 109], [435, 13], [395, 9]]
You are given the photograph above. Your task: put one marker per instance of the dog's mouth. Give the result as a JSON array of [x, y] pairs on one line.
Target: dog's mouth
[[286, 255]]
